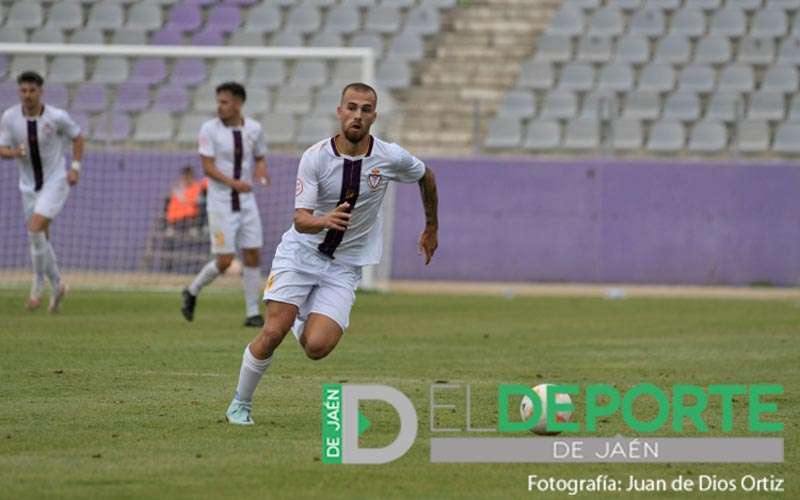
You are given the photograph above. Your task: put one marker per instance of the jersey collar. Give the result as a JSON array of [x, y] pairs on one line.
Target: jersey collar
[[336, 150]]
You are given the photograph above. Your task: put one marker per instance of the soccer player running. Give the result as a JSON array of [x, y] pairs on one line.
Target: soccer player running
[[341, 182], [34, 134], [233, 151]]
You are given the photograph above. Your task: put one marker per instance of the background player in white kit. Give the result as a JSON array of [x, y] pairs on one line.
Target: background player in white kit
[[233, 151], [341, 182], [34, 133]]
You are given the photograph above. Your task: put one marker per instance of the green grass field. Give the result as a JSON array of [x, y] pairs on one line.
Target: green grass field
[[118, 397]]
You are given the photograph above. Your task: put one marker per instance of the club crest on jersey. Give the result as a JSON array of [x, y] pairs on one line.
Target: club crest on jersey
[[374, 178], [298, 188]]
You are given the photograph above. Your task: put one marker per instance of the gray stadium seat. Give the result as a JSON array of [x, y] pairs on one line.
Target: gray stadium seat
[[752, 136], [303, 19], [258, 101], [599, 105], [625, 4], [189, 127], [268, 73], [393, 74], [780, 78], [728, 21], [633, 49], [783, 4], [606, 21], [153, 126], [87, 36], [536, 74], [345, 72], [595, 49], [713, 50], [67, 69], [314, 128], [309, 74], [697, 78], [13, 35], [616, 77], [583, 4], [662, 4], [287, 38], [279, 128], [47, 35], [554, 48], [725, 106], [293, 100], [674, 49], [517, 103], [642, 105], [769, 23], [577, 76], [647, 22], [566, 21], [105, 15], [328, 98], [66, 15], [582, 134], [110, 70], [240, 38], [708, 137], [756, 50], [748, 5], [659, 77], [372, 40], [504, 132], [787, 138], [559, 104], [423, 20], [343, 19], [224, 70], [126, 36], [407, 46], [683, 106], [714, 4], [144, 16], [689, 22], [736, 77], [399, 4], [794, 109], [789, 51], [205, 98], [627, 134], [543, 134], [666, 137], [25, 15], [382, 19], [263, 18], [766, 105]]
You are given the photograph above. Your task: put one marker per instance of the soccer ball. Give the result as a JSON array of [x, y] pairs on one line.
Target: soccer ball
[[526, 409]]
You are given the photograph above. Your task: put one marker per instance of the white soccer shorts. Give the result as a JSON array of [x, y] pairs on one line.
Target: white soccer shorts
[[48, 201], [232, 230], [313, 282]]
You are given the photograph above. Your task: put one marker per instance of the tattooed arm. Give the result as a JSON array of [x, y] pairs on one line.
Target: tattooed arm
[[428, 240]]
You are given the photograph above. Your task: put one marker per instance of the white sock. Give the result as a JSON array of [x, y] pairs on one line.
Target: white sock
[[252, 289], [38, 259], [206, 275], [51, 268], [250, 374]]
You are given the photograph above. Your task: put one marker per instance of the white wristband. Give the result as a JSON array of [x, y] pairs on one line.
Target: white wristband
[[76, 165]]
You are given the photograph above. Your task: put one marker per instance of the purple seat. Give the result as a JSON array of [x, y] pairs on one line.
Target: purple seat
[[201, 2], [132, 97], [90, 98], [185, 17], [3, 66], [112, 127], [241, 3], [224, 18], [9, 94], [167, 36], [189, 72], [82, 119], [209, 36], [172, 99], [150, 70], [56, 94]]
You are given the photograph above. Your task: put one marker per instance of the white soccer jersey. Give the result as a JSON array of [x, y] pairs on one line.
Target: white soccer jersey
[[43, 137], [326, 178], [234, 150]]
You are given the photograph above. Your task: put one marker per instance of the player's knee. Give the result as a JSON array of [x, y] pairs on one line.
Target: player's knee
[[317, 350], [224, 262]]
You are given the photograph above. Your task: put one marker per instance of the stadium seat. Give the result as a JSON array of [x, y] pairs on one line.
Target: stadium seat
[[626, 134], [314, 128], [325, 3], [616, 77], [792, 5], [642, 105], [769, 23], [343, 19], [789, 51], [566, 21], [87, 36], [708, 137], [517, 103], [287, 38], [105, 15], [205, 98], [737, 78], [184, 17], [208, 37], [748, 5], [47, 35], [169, 35], [20, 64], [666, 137], [279, 128], [559, 104], [171, 98], [327, 100], [594, 49], [752, 136], [658, 77], [132, 97], [241, 38], [688, 22], [780, 78], [787, 138], [225, 70], [345, 72], [149, 70], [25, 15], [713, 4], [794, 109], [713, 50], [126, 36], [543, 134], [293, 100], [662, 4], [577, 76], [224, 18], [647, 22], [153, 126], [189, 127], [258, 101], [697, 78], [56, 94], [407, 46], [583, 4], [423, 20], [393, 74], [9, 94], [765, 105], [67, 69], [725, 106], [756, 50], [381, 19], [188, 72], [13, 35], [109, 69], [504, 132], [309, 73], [267, 73], [263, 18], [371, 40], [65, 15], [554, 48], [674, 49], [625, 4], [111, 127], [582, 134], [683, 106], [599, 105], [90, 98], [304, 19], [606, 21], [536, 74], [729, 21], [144, 16], [633, 49]]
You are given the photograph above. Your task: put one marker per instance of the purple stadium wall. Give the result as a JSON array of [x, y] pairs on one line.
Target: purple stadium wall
[[500, 220]]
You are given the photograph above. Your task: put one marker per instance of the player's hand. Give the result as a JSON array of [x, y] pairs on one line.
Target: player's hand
[[72, 177], [21, 152], [339, 218], [428, 243], [241, 186], [262, 177]]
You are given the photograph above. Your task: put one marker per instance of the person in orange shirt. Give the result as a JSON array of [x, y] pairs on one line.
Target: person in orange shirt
[[183, 207]]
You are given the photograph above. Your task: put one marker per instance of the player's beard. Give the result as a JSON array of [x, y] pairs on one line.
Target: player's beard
[[355, 136]]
